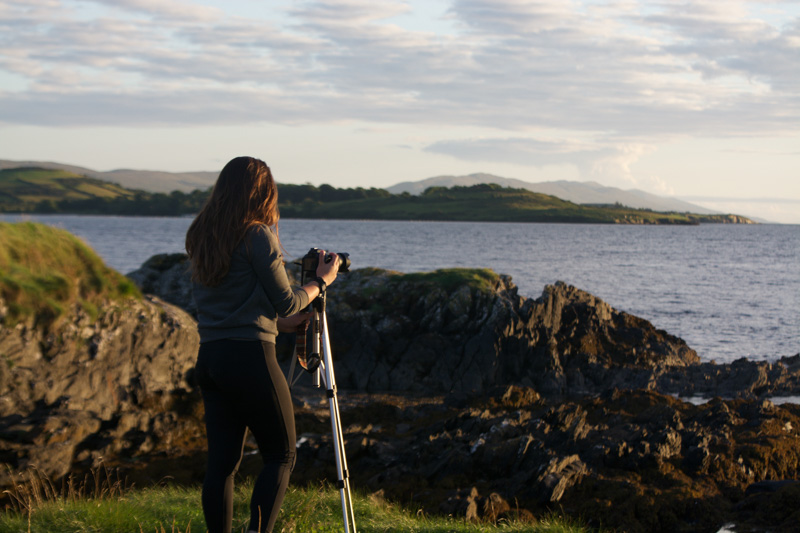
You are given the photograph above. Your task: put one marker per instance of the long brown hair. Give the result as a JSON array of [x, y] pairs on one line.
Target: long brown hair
[[245, 195]]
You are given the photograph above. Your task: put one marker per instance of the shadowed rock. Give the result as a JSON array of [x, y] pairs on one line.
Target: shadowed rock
[[458, 396], [445, 332], [98, 391]]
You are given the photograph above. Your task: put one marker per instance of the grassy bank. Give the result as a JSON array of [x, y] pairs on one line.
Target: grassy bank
[[39, 507], [47, 273]]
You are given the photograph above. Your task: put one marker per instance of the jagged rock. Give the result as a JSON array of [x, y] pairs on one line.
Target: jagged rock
[[637, 461], [559, 475], [395, 332], [549, 403], [168, 277], [95, 390]]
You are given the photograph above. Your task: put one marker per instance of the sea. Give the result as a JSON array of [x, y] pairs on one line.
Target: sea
[[729, 291]]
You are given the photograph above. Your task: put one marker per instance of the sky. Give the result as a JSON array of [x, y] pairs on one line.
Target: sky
[[699, 100]]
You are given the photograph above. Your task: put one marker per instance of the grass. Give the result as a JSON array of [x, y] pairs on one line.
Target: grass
[[450, 279], [46, 273], [489, 203], [101, 503], [22, 186]]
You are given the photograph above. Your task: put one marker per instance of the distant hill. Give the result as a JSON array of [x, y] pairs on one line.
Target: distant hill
[[577, 192], [38, 190], [144, 180], [52, 190], [590, 193], [27, 189], [482, 202]]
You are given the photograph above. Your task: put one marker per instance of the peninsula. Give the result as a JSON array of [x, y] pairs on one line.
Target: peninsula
[[41, 190]]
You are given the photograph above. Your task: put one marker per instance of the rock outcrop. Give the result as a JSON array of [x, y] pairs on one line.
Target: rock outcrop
[[394, 332], [457, 395], [391, 333], [637, 461], [104, 390], [167, 276]]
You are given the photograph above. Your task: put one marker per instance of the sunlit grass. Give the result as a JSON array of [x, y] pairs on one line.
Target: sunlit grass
[[101, 503], [45, 273]]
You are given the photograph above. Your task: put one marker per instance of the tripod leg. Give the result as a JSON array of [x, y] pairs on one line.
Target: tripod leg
[[291, 379], [338, 435]]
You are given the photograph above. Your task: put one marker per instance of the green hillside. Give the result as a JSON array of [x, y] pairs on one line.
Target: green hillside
[[28, 189], [36, 190], [39, 190], [489, 203]]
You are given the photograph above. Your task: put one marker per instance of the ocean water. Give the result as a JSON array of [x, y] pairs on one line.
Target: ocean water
[[729, 291]]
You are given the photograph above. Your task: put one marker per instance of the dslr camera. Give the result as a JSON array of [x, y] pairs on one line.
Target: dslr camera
[[310, 262]]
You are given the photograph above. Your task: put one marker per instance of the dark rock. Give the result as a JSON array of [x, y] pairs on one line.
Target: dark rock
[[108, 390], [551, 404], [559, 475], [637, 461], [776, 509], [769, 486], [167, 276], [393, 332]]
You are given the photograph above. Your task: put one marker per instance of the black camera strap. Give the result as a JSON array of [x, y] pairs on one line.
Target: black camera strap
[[321, 283]]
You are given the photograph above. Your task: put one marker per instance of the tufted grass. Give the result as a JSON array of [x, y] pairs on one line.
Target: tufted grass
[[101, 503], [45, 273], [450, 279]]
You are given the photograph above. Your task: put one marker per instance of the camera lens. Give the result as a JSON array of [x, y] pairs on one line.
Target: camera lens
[[344, 262]]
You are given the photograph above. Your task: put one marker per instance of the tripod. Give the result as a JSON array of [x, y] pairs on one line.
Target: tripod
[[322, 368]]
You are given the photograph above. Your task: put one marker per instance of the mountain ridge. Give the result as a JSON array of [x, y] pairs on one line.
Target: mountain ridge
[[579, 192], [145, 180], [39, 190], [589, 192]]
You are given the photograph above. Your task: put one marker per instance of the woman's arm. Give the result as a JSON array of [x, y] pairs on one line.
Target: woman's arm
[[289, 324]]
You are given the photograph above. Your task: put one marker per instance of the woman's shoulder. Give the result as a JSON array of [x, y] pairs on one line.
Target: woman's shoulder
[[260, 239], [260, 231]]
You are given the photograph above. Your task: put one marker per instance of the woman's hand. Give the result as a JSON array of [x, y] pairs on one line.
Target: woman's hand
[[289, 324], [326, 271], [329, 270]]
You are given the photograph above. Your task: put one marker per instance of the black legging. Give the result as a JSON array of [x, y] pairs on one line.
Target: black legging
[[243, 387]]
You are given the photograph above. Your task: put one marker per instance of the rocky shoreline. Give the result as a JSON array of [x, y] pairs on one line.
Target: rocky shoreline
[[458, 396]]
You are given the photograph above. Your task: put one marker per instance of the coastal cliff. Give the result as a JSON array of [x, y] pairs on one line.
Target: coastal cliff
[[92, 372], [458, 396]]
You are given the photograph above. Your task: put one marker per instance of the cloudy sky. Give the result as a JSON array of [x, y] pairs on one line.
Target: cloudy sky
[[698, 99]]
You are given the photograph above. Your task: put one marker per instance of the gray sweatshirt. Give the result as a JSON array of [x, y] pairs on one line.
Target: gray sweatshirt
[[246, 304]]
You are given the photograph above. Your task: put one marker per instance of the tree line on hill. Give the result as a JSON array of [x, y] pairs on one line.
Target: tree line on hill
[[46, 191], [178, 203]]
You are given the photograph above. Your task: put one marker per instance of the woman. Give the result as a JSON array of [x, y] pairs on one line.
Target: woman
[[243, 300]]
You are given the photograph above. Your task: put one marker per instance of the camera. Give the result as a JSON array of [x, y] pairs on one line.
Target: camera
[[310, 262]]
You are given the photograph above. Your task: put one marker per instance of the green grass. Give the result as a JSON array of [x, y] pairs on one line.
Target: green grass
[[46, 273], [450, 279], [22, 188], [108, 507], [489, 203]]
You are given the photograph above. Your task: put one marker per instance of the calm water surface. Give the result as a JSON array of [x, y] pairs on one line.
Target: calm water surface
[[730, 291]]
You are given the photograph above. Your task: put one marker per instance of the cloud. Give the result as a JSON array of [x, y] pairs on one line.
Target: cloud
[[644, 69], [520, 151], [607, 163], [171, 10]]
